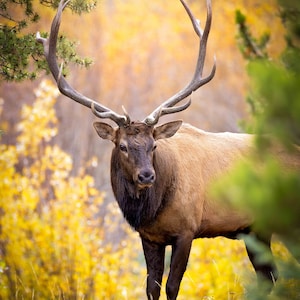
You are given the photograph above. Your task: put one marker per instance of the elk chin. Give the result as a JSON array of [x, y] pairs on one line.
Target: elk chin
[[139, 188]]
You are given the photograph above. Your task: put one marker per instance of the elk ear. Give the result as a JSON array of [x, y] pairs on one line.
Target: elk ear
[[166, 130], [105, 131]]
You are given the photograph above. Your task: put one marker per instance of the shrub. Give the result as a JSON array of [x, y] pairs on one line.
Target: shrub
[[52, 241]]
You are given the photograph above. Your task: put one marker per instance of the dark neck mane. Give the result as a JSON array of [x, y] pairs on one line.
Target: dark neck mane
[[140, 208]]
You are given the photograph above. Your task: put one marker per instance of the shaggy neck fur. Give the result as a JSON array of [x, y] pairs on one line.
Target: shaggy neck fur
[[140, 208]]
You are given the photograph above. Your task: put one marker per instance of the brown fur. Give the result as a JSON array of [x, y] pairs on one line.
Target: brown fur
[[200, 157], [175, 208]]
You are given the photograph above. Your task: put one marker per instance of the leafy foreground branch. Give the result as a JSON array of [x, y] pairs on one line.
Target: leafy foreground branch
[[263, 186]]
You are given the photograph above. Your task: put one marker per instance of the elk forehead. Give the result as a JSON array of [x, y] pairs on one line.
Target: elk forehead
[[136, 133], [138, 127]]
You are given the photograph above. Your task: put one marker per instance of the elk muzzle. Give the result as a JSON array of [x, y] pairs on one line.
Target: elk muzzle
[[145, 178]]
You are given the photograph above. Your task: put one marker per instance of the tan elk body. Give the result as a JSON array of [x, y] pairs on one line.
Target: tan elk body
[[161, 175], [200, 157]]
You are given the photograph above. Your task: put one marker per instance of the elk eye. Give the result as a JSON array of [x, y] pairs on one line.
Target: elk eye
[[123, 148], [154, 147]]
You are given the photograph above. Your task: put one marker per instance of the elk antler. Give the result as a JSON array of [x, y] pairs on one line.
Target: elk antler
[[64, 87], [197, 81]]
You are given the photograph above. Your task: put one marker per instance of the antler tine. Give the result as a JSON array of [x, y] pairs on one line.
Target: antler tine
[[197, 80], [50, 53], [167, 110]]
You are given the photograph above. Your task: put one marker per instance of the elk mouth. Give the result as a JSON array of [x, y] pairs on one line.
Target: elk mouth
[[142, 186]]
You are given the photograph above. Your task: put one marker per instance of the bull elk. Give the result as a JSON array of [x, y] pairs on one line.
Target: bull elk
[[160, 174]]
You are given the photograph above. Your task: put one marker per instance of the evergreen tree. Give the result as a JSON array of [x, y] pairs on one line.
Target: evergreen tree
[[264, 187], [21, 56]]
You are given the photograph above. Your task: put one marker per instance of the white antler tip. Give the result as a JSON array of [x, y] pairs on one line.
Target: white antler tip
[[124, 110]]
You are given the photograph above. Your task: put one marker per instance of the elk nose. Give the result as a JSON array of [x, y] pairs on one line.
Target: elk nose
[[146, 177]]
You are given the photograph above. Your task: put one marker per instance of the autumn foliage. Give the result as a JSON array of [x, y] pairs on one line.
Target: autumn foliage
[[54, 239], [51, 240], [55, 242], [57, 232]]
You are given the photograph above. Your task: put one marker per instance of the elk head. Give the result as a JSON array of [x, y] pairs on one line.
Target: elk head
[[135, 142], [134, 146]]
